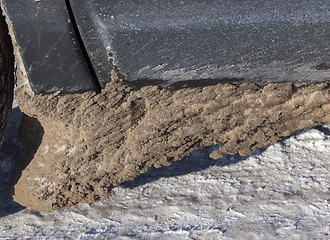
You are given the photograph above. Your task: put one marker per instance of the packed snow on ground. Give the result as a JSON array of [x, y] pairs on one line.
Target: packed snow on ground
[[281, 191]]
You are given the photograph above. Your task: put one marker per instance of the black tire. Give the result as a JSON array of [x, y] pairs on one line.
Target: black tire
[[6, 76]]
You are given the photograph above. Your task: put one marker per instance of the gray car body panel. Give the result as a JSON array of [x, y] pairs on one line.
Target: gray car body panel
[[48, 45], [261, 41]]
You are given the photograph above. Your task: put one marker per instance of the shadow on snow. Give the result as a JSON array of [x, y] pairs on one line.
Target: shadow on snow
[[198, 161], [11, 152]]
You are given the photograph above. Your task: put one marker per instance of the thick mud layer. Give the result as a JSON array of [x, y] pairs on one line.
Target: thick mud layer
[[79, 146], [93, 142]]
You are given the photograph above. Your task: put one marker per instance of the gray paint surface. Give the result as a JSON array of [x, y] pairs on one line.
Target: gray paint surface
[[262, 41], [51, 54]]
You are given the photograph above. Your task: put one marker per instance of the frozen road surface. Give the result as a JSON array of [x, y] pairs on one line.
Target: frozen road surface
[[278, 192]]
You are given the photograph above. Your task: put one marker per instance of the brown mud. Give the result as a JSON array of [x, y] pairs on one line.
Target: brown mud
[[80, 146], [93, 142]]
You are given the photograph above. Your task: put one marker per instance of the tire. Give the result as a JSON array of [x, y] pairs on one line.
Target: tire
[[6, 77]]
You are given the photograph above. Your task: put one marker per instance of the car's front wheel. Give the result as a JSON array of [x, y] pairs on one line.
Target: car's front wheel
[[6, 76]]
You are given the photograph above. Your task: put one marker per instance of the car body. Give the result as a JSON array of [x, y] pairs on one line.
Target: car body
[[75, 43], [112, 89]]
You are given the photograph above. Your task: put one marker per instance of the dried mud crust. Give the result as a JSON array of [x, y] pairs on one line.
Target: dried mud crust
[[93, 142]]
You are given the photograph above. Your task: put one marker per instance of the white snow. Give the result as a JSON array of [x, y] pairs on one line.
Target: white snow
[[278, 192]]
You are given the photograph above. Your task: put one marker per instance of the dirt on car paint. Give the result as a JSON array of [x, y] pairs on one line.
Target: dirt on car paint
[[94, 142], [80, 146]]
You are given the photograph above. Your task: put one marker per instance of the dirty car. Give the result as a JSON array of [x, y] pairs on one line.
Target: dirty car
[[111, 89]]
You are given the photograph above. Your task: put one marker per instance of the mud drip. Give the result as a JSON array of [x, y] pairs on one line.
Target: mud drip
[[93, 142]]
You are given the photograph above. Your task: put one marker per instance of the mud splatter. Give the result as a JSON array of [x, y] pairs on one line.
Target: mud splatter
[[93, 142], [88, 143]]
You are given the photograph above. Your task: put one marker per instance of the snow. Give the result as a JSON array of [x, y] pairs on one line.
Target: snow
[[278, 192]]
